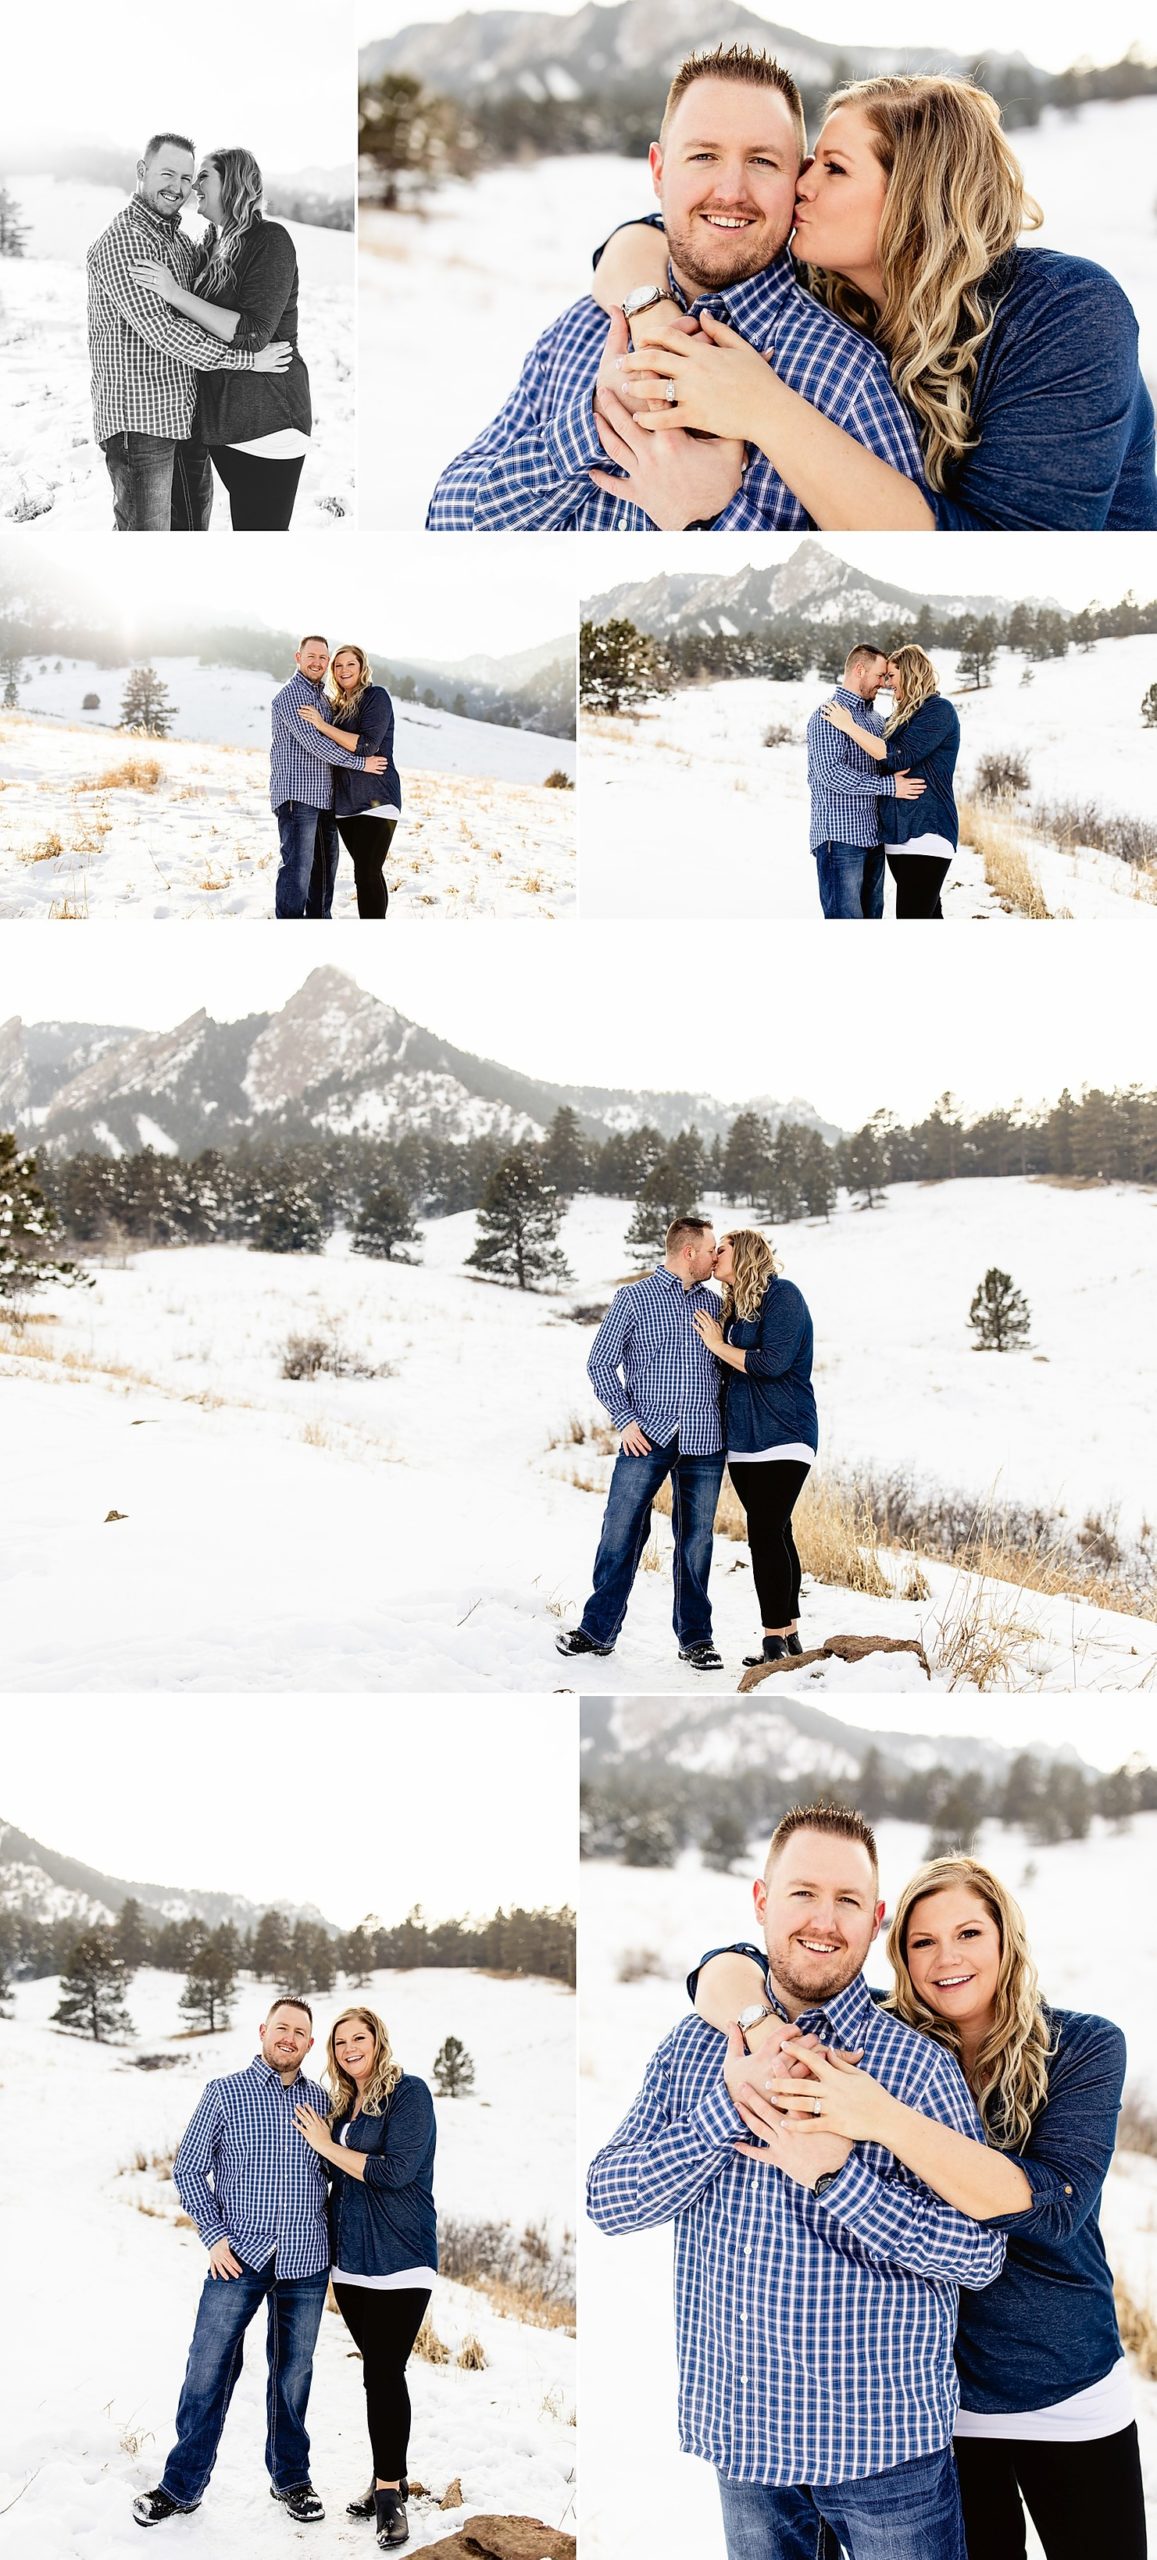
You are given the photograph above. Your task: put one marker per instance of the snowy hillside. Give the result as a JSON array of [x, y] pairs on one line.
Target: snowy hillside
[[462, 1489], [654, 788], [51, 472], [105, 825], [90, 2404], [517, 244], [639, 2491]]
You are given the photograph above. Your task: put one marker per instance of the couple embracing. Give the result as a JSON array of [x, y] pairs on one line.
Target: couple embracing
[[883, 788], [705, 1362], [332, 776], [894, 2315], [293, 2187]]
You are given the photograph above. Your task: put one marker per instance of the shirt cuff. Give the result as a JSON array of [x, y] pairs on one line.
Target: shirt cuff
[[889, 786], [719, 2118], [857, 2198], [573, 437]]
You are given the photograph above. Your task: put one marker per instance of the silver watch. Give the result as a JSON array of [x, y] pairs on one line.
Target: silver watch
[[751, 2016], [643, 296]]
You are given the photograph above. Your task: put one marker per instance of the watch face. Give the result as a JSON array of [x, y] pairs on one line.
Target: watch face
[[642, 298]]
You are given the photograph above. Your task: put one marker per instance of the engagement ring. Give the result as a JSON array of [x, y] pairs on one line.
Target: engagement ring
[[669, 391], [815, 2106]]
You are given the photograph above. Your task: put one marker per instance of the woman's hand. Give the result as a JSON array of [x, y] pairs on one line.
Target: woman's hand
[[676, 482], [313, 2129], [709, 1331], [851, 2103], [719, 380], [840, 717], [307, 711], [154, 276]]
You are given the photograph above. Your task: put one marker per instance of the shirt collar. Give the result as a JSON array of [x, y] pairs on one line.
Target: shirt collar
[[264, 2071], [674, 1282], [853, 701], [166, 223], [842, 2019], [753, 307]]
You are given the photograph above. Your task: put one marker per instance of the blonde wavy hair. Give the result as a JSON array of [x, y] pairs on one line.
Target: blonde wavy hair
[[242, 196], [1009, 2077], [956, 204], [349, 703], [755, 1264], [916, 682], [384, 2075]]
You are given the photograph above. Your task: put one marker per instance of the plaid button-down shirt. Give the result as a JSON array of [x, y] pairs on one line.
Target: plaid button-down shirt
[[146, 356], [648, 1365], [529, 469], [244, 2173], [814, 2334], [301, 761], [846, 784]]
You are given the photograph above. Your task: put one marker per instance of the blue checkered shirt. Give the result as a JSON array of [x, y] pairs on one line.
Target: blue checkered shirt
[[814, 2333], [845, 783], [648, 1365], [245, 2174], [530, 467], [301, 761], [145, 356]]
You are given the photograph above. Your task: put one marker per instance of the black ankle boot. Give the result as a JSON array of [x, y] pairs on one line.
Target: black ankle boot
[[363, 2507], [794, 1645], [775, 1649], [391, 2518]]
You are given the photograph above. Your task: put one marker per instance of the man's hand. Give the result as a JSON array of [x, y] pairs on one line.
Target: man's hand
[[907, 787], [777, 2143], [222, 2261], [621, 338], [375, 764], [275, 358], [634, 1443], [676, 479]]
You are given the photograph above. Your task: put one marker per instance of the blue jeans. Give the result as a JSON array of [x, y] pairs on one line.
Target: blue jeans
[[159, 485], [695, 1486], [309, 859], [909, 2513], [226, 2307], [851, 880]]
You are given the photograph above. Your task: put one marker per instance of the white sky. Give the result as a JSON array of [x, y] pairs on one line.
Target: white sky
[[400, 592], [1097, 568], [276, 75], [1106, 1731], [357, 1805], [662, 1005], [1051, 36]]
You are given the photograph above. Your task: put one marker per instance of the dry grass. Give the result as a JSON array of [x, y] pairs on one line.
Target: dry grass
[[979, 1643], [429, 2346], [1028, 1549], [49, 849], [471, 2355], [525, 2276], [1138, 2329], [834, 1532], [134, 2439], [1007, 869], [135, 773], [1137, 2126]]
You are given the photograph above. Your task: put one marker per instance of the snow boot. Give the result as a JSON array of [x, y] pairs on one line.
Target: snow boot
[[155, 2506], [302, 2503], [363, 2507], [794, 1645], [392, 2520], [572, 1640], [702, 1657], [775, 1649]]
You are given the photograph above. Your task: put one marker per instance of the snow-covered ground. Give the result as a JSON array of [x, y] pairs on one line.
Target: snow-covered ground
[[89, 2401], [457, 1537], [480, 834], [51, 472], [639, 2491], [505, 252], [684, 811]]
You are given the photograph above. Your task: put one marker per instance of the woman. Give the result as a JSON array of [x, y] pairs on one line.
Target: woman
[[921, 737], [256, 425], [367, 806], [1046, 2415], [1019, 365], [764, 1342], [379, 2144]]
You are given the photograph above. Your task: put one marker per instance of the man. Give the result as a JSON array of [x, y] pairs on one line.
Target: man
[[301, 766], [146, 356], [660, 1385], [816, 2292], [724, 170], [257, 2194], [845, 786]]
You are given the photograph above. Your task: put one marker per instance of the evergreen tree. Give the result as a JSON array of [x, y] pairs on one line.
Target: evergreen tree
[[619, 666], [28, 1223], [864, 1165], [999, 1314], [453, 2069], [7, 1963], [92, 1989], [725, 1839], [566, 1154], [410, 132], [13, 231], [747, 1157], [271, 1947], [382, 1223], [1149, 708], [146, 706], [662, 1199], [817, 1174], [519, 1217], [131, 1932], [978, 649], [649, 1839], [211, 1983], [356, 1954], [10, 671], [289, 1221]]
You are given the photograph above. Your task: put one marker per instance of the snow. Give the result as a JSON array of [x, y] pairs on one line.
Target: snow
[[464, 1536], [653, 789], [51, 472], [480, 833], [513, 247], [90, 2403], [639, 2491]]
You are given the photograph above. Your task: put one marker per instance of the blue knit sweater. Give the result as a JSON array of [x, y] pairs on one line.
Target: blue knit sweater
[[927, 745]]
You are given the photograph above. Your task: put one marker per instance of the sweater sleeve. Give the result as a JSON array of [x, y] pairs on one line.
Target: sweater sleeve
[[782, 1324], [264, 288], [409, 2124], [929, 728], [1058, 406], [376, 724], [1067, 2155]]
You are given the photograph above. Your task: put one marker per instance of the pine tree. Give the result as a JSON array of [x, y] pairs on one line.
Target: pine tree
[[289, 1221], [979, 642], [146, 706], [211, 1983], [747, 1157], [663, 1198], [271, 1947], [519, 1217], [1149, 708], [864, 1166], [384, 1222], [724, 1840], [132, 1935], [453, 2069], [620, 666], [566, 1155], [10, 671], [28, 1223], [13, 231], [92, 1990], [999, 1314]]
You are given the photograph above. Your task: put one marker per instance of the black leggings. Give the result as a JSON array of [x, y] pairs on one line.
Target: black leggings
[[1081, 2497], [919, 879], [383, 2327], [769, 1493], [261, 492], [368, 841]]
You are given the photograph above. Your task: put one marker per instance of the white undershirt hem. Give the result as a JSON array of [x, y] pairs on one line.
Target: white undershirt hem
[[399, 2283], [797, 1449], [282, 444], [1101, 2410]]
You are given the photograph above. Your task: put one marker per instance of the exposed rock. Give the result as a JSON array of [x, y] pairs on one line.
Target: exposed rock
[[504, 2538], [844, 1648]]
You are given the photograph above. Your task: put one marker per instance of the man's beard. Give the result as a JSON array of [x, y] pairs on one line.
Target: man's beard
[[746, 260], [816, 1986]]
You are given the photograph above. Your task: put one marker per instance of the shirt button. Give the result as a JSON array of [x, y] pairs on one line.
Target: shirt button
[[1068, 2191]]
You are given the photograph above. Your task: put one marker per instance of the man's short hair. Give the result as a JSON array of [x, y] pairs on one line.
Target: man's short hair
[[319, 636], [681, 1228], [288, 2000], [748, 68], [836, 1821], [862, 655], [156, 140]]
